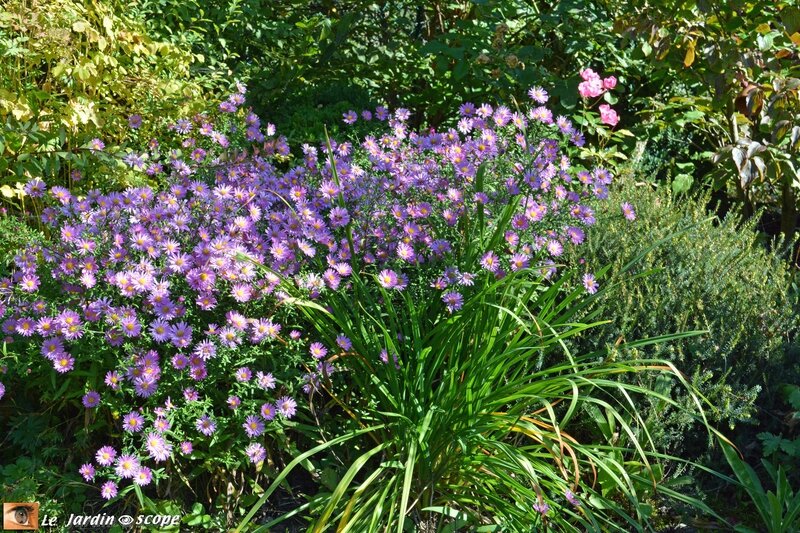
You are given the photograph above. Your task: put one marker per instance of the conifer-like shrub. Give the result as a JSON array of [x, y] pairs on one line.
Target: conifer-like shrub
[[700, 273]]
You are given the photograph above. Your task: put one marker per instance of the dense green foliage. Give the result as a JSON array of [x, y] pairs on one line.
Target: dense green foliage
[[709, 101], [73, 71], [706, 274]]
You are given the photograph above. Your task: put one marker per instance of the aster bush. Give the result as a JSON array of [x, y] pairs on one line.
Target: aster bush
[[413, 285]]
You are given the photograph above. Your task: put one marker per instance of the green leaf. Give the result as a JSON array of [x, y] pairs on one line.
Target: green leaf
[[770, 442], [682, 183], [461, 69]]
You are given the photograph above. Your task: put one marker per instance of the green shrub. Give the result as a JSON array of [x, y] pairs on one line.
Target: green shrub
[[712, 275], [14, 235], [72, 71]]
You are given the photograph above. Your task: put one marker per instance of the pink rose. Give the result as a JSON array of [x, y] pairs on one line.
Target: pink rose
[[610, 82], [588, 74], [608, 115], [591, 88]]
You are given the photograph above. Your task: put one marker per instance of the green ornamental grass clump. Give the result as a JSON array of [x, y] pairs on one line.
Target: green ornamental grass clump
[[707, 274]]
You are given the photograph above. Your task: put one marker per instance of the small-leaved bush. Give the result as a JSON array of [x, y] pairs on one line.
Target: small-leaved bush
[[71, 71], [704, 274]]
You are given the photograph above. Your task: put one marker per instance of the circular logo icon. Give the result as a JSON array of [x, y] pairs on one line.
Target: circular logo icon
[[125, 520]]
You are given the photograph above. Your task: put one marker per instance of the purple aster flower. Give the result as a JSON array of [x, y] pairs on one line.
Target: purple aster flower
[[130, 327], [286, 406], [538, 95], [180, 334], [64, 363], [87, 471], [402, 114], [199, 372], [339, 217], [113, 379], [158, 447], [256, 453], [241, 292], [35, 188], [555, 248], [108, 490], [183, 126], [186, 447], [571, 498], [253, 426], [205, 349], [541, 507], [243, 374], [453, 300], [161, 424], [405, 252], [628, 211], [29, 283], [265, 381], [576, 235], [145, 386], [25, 327], [45, 327], [91, 399], [590, 284], [268, 411], [179, 361], [2, 390], [490, 261], [467, 109], [317, 350], [381, 113], [350, 117], [160, 330], [105, 456], [127, 466], [143, 476], [234, 402], [387, 279], [135, 121], [206, 425], [53, 348], [229, 337], [96, 144], [519, 262], [133, 422], [344, 343], [191, 395]]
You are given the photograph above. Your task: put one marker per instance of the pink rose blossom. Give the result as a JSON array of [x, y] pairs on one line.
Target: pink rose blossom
[[591, 88], [588, 75], [608, 115], [609, 83]]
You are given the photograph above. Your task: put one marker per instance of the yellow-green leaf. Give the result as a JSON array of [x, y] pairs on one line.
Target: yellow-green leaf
[[7, 191], [688, 59], [79, 26]]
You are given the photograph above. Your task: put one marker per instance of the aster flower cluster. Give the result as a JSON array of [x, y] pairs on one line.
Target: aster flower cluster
[[183, 295]]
